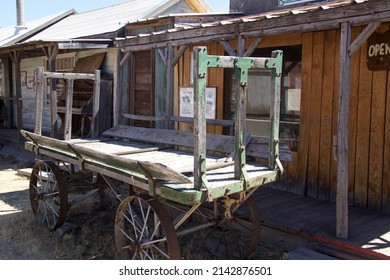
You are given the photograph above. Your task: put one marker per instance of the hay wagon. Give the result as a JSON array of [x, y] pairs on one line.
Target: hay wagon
[[180, 182]]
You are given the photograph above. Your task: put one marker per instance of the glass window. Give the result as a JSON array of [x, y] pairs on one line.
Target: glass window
[[259, 96]]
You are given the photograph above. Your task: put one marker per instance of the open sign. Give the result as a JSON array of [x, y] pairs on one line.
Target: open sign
[[378, 51]]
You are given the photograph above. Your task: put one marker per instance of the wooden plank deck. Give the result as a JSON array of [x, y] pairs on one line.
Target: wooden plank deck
[[369, 231]]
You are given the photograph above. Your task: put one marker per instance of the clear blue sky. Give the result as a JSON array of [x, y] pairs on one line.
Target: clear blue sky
[[35, 9]]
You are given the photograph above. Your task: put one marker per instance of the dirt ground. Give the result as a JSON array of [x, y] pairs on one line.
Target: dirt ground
[[21, 238], [91, 237]]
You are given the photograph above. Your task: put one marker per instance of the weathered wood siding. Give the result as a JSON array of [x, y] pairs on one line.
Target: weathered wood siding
[[28, 98], [29, 65], [313, 170]]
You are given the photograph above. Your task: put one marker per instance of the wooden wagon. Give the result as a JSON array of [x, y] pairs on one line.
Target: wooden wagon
[[180, 181]]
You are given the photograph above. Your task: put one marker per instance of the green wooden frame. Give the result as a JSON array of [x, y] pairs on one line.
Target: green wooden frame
[[203, 61]]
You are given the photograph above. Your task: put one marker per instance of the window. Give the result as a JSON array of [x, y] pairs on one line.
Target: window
[[66, 62], [259, 96]]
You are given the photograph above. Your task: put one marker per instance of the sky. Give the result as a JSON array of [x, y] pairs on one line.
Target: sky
[[35, 9]]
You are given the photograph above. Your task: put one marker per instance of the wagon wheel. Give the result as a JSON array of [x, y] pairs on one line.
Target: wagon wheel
[[235, 236], [144, 230], [48, 194]]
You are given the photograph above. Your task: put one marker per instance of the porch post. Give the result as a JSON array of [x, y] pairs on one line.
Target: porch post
[[16, 82], [51, 56], [342, 132]]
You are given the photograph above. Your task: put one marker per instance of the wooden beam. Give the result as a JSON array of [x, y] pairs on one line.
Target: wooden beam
[[144, 118], [356, 14], [170, 85], [229, 49], [39, 100], [163, 55], [253, 47], [342, 132], [96, 105], [117, 87], [125, 59], [68, 107], [241, 46], [69, 76], [363, 37], [51, 54], [179, 54]]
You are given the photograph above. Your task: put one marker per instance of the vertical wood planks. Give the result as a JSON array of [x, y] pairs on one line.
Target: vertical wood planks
[[353, 109], [336, 83], [375, 170], [386, 156], [326, 116], [304, 129], [315, 114], [363, 131]]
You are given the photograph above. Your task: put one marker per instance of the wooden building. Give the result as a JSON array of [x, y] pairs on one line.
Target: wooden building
[[335, 110], [72, 43]]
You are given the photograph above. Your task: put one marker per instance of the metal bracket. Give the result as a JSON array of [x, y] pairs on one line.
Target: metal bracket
[[244, 64], [79, 156]]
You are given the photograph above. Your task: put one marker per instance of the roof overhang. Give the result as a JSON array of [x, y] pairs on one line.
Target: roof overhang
[[36, 48], [303, 19]]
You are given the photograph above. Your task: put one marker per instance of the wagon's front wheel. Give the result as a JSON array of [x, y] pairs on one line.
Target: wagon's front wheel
[[48, 195], [144, 230]]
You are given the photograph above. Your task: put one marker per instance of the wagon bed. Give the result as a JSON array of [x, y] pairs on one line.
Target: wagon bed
[[171, 170]]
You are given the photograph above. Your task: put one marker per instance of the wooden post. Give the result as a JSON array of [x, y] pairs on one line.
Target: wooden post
[[39, 100], [51, 56], [117, 86], [241, 46], [68, 113], [96, 104], [170, 86], [8, 93], [200, 78], [342, 132], [16, 82]]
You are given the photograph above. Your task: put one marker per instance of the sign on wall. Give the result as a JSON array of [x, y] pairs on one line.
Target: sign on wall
[[378, 51], [187, 102]]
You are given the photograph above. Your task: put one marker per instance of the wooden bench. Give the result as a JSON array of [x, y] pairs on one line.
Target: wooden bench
[[258, 147]]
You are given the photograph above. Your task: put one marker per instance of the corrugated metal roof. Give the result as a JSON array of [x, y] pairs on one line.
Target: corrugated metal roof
[[13, 34], [104, 20]]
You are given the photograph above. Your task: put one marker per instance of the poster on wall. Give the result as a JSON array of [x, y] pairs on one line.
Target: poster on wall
[[30, 84], [293, 102], [187, 102], [23, 78]]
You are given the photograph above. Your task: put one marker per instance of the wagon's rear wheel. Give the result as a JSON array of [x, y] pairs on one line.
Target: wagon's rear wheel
[[48, 194], [235, 236], [144, 230]]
